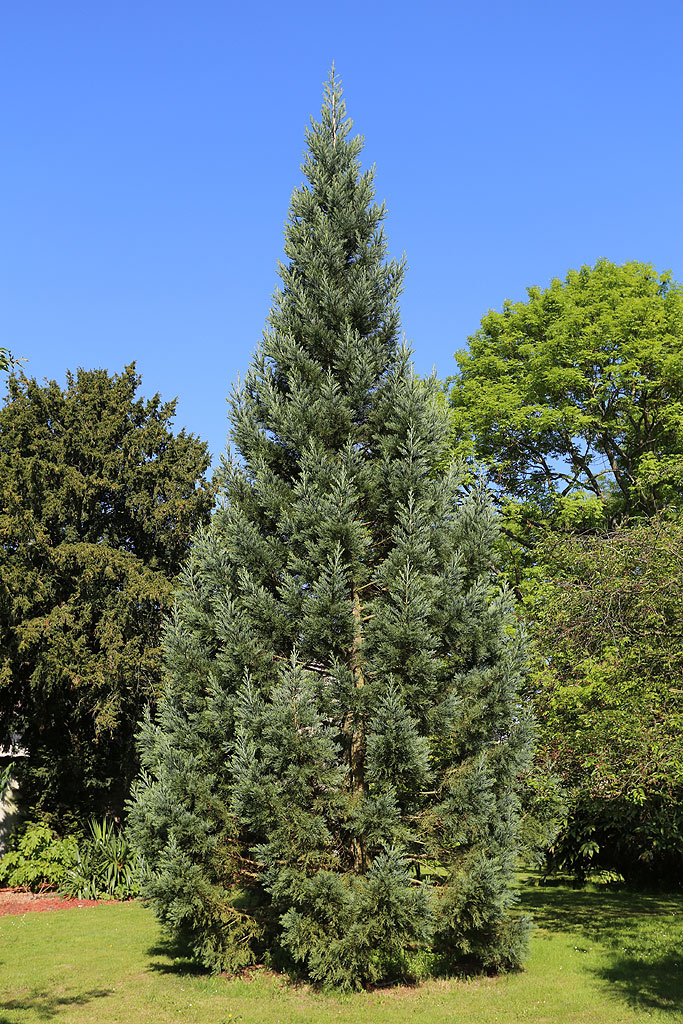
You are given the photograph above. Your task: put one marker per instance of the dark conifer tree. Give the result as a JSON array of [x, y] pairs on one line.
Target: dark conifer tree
[[99, 500], [331, 778]]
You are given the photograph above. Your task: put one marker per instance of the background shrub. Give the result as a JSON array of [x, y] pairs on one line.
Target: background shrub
[[38, 859]]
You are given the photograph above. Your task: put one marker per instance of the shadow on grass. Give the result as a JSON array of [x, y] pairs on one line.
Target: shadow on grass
[[642, 935], [654, 984], [46, 1005], [177, 959]]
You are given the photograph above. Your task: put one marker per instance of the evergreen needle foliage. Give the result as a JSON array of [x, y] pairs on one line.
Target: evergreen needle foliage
[[98, 502], [330, 780]]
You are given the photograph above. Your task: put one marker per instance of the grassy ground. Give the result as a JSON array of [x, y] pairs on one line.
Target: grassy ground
[[597, 957]]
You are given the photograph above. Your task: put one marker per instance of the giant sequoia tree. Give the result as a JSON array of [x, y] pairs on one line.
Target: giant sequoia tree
[[331, 776], [98, 501]]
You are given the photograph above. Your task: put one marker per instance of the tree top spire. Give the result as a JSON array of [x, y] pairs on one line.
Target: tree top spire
[[333, 114]]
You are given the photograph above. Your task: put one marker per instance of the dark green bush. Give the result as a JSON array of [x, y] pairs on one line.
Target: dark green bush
[[38, 859]]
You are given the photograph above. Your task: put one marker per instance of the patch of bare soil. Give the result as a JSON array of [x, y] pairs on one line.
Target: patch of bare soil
[[17, 901]]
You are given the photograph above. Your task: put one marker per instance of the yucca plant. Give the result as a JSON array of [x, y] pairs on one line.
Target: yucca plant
[[106, 868]]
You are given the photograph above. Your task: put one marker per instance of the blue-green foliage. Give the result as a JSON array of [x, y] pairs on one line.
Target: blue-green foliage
[[331, 778]]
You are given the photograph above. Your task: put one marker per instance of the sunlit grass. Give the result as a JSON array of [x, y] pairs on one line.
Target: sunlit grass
[[597, 957]]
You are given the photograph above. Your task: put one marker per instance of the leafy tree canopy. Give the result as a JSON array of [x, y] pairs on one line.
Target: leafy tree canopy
[[608, 668], [98, 501], [7, 360], [574, 399]]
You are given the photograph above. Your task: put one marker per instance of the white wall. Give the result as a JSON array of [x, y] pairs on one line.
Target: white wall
[[9, 813]]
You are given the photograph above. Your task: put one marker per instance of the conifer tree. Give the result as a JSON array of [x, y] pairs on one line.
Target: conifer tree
[[99, 500], [331, 778]]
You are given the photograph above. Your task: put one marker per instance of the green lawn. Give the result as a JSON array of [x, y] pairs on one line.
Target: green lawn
[[597, 956]]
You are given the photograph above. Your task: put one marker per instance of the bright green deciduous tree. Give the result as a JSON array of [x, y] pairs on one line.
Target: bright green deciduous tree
[[98, 500], [8, 361], [574, 399], [608, 669], [331, 779]]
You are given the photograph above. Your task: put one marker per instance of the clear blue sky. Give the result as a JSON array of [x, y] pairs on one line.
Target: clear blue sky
[[149, 150]]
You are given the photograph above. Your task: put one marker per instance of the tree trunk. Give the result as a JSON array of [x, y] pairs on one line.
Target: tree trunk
[[355, 727]]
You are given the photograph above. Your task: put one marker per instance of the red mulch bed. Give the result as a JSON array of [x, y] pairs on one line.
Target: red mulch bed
[[16, 901]]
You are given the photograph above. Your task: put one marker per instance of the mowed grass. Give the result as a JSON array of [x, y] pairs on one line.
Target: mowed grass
[[596, 956]]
